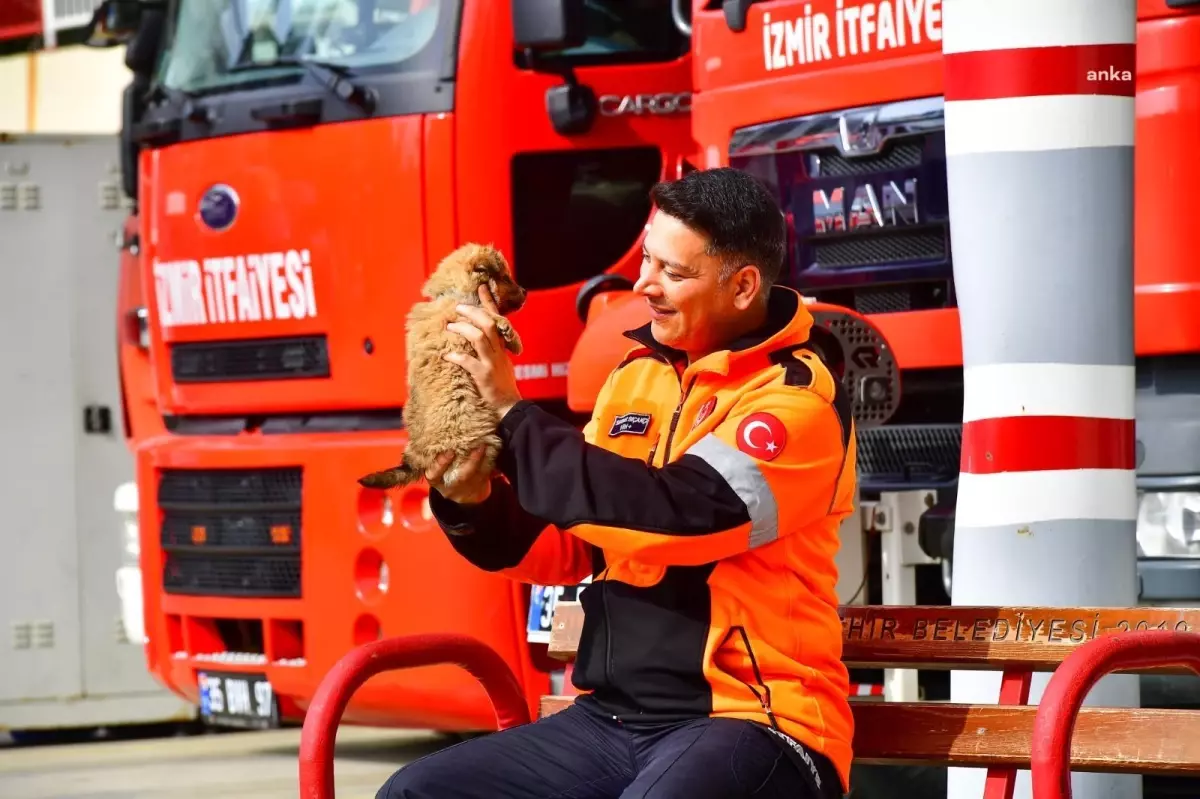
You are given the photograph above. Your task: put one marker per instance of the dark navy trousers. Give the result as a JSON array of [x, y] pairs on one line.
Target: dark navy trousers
[[580, 753]]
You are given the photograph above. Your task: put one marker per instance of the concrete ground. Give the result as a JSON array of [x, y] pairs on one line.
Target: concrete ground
[[228, 765]]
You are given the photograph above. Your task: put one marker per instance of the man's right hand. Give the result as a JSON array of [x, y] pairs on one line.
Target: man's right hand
[[470, 487]]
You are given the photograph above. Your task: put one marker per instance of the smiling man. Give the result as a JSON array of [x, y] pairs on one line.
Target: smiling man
[[704, 498]]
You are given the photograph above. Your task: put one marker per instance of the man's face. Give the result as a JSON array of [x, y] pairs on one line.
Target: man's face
[[691, 308]]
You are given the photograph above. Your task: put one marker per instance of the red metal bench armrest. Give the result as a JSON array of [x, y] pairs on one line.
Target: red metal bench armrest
[[359, 665], [1064, 695]]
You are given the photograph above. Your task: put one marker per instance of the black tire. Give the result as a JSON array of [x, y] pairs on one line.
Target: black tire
[[53, 736]]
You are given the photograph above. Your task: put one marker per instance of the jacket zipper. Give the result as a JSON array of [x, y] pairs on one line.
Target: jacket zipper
[[653, 451], [763, 697], [675, 420], [608, 657]]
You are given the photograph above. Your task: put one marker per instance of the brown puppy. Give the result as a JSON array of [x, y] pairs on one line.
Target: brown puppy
[[444, 412]]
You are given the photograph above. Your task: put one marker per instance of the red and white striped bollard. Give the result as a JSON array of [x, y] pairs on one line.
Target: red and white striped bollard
[[1039, 145]]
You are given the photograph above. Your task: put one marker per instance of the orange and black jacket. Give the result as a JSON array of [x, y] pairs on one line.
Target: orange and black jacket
[[705, 501]]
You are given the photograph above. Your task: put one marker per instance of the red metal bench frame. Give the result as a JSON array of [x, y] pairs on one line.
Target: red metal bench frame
[[1070, 684], [1051, 745], [321, 721]]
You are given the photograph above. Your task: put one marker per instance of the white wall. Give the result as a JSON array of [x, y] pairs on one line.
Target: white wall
[[67, 90]]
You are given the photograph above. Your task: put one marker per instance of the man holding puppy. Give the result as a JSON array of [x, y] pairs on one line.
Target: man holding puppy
[[704, 497]]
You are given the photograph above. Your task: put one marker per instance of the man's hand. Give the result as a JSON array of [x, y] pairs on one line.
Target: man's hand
[[469, 487], [491, 368]]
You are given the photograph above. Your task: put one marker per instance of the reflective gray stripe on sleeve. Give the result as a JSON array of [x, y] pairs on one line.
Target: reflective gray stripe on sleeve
[[743, 476]]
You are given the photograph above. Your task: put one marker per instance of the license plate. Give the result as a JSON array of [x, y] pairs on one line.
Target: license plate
[[231, 699], [542, 599]]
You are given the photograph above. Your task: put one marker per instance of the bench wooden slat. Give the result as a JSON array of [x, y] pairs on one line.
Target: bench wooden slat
[[966, 638], [551, 704], [565, 629], [1118, 740], [961, 638]]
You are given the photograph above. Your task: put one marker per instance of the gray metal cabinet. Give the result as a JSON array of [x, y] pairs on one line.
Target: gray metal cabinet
[[64, 657]]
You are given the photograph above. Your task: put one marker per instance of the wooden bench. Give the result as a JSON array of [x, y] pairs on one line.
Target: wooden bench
[[1015, 641], [1079, 644]]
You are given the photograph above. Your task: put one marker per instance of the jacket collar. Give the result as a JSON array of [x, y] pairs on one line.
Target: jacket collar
[[787, 325]]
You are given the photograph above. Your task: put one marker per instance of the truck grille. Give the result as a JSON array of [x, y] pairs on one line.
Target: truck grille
[[250, 359], [231, 532], [885, 300], [853, 250], [914, 455], [864, 190], [902, 156]]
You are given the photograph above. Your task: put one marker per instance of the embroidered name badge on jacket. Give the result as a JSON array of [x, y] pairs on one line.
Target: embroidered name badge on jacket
[[630, 424]]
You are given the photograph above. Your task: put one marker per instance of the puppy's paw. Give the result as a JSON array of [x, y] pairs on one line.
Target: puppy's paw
[[512, 341]]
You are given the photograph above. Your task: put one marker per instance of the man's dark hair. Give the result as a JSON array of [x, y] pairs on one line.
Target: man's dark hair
[[735, 211]]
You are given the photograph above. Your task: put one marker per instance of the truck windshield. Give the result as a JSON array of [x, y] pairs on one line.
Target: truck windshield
[[217, 45], [626, 32]]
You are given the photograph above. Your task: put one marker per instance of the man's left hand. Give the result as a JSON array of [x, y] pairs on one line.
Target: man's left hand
[[491, 367]]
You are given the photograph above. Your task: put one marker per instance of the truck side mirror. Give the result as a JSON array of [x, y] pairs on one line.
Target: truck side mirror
[[114, 22], [548, 24]]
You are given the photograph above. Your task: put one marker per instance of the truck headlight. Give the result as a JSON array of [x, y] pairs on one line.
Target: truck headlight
[[1168, 524], [129, 575], [125, 503], [133, 547]]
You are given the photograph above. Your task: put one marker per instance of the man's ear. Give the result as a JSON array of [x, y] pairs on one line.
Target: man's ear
[[747, 284]]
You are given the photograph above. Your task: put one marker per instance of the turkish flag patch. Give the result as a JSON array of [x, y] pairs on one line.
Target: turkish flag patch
[[762, 436]]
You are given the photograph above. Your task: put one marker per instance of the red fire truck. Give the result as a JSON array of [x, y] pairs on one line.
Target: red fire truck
[[839, 106], [299, 168]]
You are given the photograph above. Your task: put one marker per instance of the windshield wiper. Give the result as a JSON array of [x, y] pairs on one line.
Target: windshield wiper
[[179, 105], [334, 77], [187, 103]]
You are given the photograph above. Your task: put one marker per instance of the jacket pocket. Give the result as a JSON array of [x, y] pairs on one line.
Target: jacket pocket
[[755, 682]]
